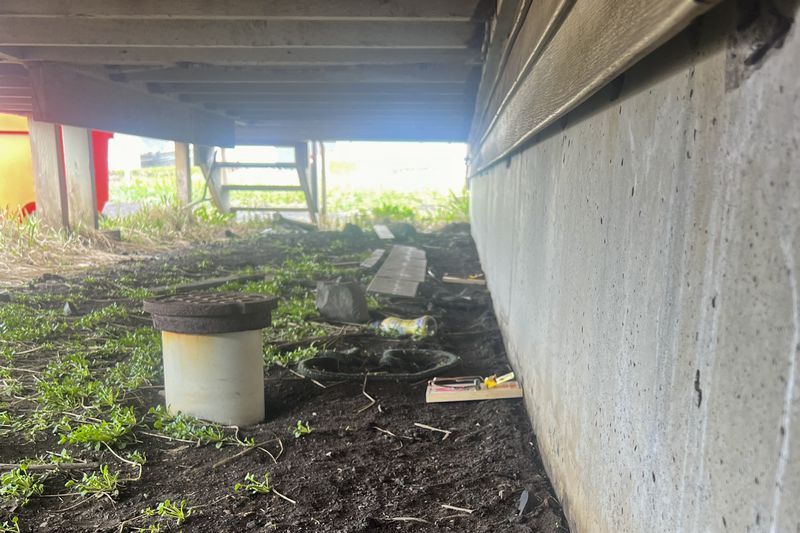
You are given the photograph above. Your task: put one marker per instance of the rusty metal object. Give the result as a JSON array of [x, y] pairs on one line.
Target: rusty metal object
[[211, 312]]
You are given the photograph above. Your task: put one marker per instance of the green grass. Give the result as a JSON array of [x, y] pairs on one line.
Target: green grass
[[70, 383], [155, 189]]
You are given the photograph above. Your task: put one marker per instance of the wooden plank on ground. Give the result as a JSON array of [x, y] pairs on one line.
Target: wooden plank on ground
[[383, 232], [595, 43], [395, 287], [401, 273], [373, 259]]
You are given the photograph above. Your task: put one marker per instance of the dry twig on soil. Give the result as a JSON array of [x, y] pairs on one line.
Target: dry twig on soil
[[49, 467], [459, 509], [364, 392], [244, 452], [314, 381], [431, 428], [409, 519]]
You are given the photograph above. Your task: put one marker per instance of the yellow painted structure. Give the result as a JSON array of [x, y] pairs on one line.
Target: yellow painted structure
[[16, 167]]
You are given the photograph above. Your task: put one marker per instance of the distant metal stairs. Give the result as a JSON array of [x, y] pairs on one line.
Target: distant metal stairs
[[307, 175]]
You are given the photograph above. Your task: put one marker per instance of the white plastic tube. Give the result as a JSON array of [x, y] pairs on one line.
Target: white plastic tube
[[216, 377]]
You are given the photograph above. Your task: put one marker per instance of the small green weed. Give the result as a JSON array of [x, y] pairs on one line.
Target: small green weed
[[172, 511], [300, 429], [136, 457], [182, 426], [20, 485], [254, 485], [273, 355], [10, 526], [94, 434], [102, 316], [97, 485], [211, 216], [20, 323]]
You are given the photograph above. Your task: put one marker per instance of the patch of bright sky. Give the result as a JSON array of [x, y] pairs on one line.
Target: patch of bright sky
[[404, 166]]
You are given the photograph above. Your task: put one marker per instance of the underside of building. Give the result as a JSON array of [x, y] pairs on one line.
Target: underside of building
[[635, 197]]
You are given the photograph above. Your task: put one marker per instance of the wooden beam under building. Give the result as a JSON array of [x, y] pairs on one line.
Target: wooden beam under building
[[220, 98], [355, 129], [402, 10], [43, 31], [331, 114], [113, 55], [275, 75], [595, 42], [316, 88], [67, 97]]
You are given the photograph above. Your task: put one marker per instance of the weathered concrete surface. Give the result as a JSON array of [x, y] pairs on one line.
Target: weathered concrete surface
[[644, 259]]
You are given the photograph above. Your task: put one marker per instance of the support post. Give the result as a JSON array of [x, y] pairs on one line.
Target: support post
[[49, 175], [205, 158], [323, 185], [314, 176], [183, 173], [80, 178], [301, 160]]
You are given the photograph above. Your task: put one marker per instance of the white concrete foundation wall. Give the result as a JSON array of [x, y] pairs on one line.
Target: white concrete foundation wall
[[644, 260]]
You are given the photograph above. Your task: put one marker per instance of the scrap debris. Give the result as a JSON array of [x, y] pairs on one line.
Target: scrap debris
[[292, 224], [342, 301], [477, 279], [523, 502], [424, 326]]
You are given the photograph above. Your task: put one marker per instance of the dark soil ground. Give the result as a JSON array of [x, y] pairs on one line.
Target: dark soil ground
[[358, 470]]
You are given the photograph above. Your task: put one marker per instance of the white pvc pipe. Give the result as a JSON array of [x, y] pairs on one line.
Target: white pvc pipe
[[216, 377]]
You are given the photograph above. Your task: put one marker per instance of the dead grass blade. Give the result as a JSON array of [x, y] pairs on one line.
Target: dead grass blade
[[364, 392], [431, 428]]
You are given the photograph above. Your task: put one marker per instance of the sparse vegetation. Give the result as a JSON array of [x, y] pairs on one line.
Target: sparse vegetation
[[98, 484], [21, 485], [80, 381], [10, 526], [110, 432], [185, 427], [300, 429], [177, 512], [253, 485]]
